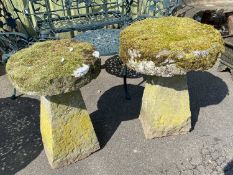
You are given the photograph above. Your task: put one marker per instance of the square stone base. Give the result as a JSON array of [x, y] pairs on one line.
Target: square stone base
[[66, 129], [165, 107]]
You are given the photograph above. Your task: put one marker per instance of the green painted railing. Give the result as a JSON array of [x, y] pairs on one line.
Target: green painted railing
[[138, 7]]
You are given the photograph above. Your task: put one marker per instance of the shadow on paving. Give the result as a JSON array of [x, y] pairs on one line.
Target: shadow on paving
[[113, 108], [228, 169], [20, 139], [204, 89]]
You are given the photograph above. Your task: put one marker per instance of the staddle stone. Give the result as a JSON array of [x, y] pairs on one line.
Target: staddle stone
[[164, 50], [55, 70]]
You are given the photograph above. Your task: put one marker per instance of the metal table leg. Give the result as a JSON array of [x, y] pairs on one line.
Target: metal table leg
[[13, 97], [127, 96]]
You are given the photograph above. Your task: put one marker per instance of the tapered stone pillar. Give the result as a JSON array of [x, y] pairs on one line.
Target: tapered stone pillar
[[165, 107], [66, 129]]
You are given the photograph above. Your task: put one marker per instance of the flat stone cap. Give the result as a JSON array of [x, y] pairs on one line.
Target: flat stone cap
[[53, 67], [170, 46]]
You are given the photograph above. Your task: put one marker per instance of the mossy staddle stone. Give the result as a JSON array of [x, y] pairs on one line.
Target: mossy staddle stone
[[53, 67], [170, 46]]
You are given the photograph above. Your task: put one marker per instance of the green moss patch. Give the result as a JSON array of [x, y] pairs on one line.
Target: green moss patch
[[43, 64], [188, 43]]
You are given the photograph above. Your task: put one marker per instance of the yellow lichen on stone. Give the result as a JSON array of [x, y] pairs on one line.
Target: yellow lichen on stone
[[165, 107], [72, 134], [66, 128], [45, 126], [184, 42]]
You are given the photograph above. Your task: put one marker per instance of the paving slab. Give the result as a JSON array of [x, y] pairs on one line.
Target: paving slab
[[206, 150]]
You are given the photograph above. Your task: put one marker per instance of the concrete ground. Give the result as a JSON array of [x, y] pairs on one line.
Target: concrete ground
[[206, 150]]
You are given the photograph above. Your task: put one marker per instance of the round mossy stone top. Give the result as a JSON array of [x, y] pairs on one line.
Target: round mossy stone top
[[170, 46], [53, 67]]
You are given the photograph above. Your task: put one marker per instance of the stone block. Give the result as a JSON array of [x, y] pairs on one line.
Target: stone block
[[165, 107], [66, 128]]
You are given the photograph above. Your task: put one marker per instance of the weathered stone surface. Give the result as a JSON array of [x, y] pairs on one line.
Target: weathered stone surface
[[53, 67], [170, 46], [165, 107], [66, 128]]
